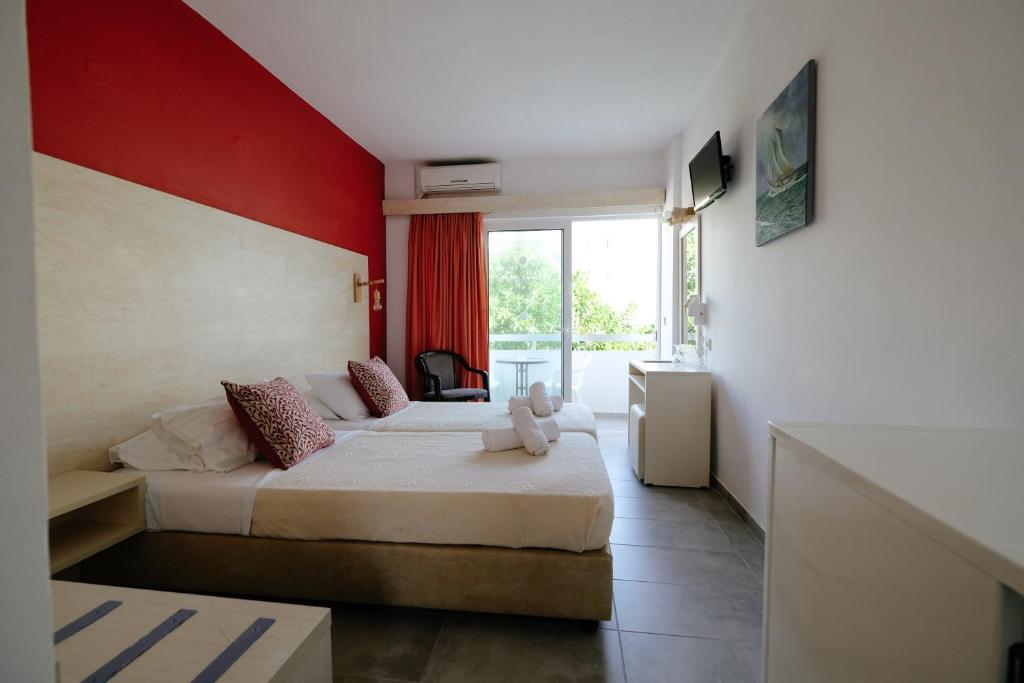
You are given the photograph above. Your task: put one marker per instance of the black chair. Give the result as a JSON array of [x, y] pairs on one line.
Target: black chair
[[441, 377]]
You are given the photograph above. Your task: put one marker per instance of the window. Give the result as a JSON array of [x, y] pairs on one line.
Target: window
[[689, 282], [615, 284]]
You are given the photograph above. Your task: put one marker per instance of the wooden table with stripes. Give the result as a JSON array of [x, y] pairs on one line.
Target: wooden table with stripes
[[104, 632]]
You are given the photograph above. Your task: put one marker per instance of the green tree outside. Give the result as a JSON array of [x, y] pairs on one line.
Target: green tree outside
[[690, 254], [525, 298]]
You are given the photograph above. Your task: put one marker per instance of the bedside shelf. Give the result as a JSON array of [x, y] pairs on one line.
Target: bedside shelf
[[91, 511]]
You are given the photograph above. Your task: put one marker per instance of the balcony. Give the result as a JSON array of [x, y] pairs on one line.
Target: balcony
[[598, 375]]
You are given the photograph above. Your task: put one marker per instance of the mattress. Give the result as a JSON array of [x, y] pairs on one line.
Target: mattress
[[437, 488], [425, 416]]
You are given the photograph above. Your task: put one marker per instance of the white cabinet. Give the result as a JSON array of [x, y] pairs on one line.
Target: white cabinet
[[893, 555], [676, 401]]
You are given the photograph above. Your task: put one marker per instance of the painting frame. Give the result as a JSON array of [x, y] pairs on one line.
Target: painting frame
[[785, 173]]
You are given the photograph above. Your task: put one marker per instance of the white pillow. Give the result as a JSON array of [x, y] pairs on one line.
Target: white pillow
[[147, 452], [208, 432], [318, 405], [335, 389]]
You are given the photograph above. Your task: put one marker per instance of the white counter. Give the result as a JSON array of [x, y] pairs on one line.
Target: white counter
[[894, 554], [670, 445], [962, 487]]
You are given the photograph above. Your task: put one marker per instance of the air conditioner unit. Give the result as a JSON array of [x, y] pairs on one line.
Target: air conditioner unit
[[448, 180]]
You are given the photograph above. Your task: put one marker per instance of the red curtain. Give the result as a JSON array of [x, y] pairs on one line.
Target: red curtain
[[446, 307]]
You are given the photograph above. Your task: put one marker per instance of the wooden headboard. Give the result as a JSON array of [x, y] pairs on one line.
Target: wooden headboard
[[147, 300]]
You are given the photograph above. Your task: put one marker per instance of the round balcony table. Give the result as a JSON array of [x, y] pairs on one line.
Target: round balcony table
[[522, 371]]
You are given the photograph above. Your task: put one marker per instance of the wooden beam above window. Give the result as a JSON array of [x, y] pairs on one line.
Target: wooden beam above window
[[679, 215], [613, 201]]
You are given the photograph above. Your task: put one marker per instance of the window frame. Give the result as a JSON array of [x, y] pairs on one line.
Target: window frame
[[684, 230]]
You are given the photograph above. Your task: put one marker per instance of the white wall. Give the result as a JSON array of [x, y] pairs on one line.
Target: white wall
[[522, 176], [904, 301], [26, 631]]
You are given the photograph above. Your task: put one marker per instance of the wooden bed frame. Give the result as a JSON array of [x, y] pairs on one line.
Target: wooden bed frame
[[534, 582], [148, 300]]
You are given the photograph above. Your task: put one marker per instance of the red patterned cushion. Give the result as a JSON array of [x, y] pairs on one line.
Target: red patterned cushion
[[279, 420], [380, 389]]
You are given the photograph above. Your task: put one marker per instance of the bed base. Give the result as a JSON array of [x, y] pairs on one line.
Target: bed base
[[532, 582]]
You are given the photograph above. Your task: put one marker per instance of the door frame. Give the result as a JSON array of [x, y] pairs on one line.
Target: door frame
[[535, 225]]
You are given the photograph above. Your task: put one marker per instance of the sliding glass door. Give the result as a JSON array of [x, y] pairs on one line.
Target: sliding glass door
[[615, 298], [571, 302], [526, 273]]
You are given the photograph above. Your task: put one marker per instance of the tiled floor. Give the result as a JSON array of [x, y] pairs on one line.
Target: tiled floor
[[687, 607]]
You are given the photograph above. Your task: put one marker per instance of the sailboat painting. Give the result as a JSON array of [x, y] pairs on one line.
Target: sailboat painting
[[785, 160]]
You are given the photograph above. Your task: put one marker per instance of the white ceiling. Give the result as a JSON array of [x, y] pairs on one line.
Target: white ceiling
[[445, 79]]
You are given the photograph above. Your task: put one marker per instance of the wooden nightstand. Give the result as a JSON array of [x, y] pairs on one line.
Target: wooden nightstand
[[91, 511]]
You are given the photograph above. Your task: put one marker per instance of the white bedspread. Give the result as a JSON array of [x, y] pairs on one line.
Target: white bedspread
[[442, 488], [425, 416], [439, 488]]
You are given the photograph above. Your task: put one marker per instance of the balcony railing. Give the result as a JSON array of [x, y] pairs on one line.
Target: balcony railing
[[598, 378]]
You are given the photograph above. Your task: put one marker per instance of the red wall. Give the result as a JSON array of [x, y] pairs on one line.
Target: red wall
[[149, 91]]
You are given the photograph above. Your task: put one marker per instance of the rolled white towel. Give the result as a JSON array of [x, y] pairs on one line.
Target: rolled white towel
[[541, 401], [529, 431], [520, 402], [524, 402], [507, 438]]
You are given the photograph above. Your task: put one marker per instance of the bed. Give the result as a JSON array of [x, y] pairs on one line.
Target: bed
[[402, 487], [147, 301], [425, 416], [485, 530]]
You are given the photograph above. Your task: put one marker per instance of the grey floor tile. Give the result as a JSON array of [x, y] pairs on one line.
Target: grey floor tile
[[667, 534], [691, 568], [620, 472], [726, 613], [667, 508], [721, 511], [755, 561], [668, 659], [628, 488], [621, 464], [634, 488], [382, 643], [741, 536], [715, 502], [472, 649]]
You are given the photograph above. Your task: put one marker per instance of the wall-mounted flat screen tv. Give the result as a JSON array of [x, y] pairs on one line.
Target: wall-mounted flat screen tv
[[709, 173]]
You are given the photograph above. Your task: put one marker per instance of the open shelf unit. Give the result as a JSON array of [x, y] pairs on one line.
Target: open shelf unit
[[91, 511]]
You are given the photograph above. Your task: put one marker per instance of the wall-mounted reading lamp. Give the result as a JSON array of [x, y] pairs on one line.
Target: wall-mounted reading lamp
[[374, 287]]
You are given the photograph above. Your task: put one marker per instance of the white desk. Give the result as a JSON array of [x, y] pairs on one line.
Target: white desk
[[677, 403], [894, 553]]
